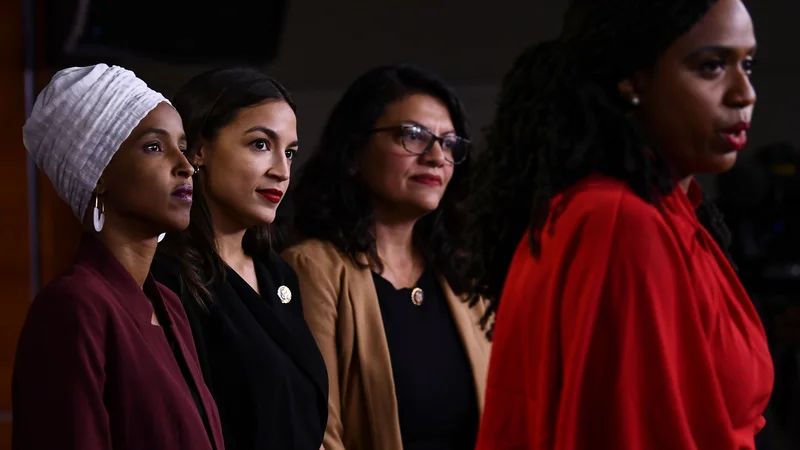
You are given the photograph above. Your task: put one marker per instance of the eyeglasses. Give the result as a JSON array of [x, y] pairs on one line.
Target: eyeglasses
[[419, 140]]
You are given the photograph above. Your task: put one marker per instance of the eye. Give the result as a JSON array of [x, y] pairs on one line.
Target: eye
[[713, 67], [290, 153], [412, 133], [261, 145], [449, 142], [748, 65], [153, 147]]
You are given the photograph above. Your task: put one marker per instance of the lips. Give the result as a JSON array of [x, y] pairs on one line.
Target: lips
[[736, 136], [272, 195], [183, 193], [428, 180]]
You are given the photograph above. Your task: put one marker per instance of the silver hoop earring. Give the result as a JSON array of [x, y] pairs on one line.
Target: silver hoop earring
[[98, 214]]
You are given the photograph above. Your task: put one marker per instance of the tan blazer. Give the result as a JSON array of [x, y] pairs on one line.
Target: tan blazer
[[341, 308]]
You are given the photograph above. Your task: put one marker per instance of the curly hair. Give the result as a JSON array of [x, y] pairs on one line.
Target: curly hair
[[207, 103], [333, 204], [560, 118]]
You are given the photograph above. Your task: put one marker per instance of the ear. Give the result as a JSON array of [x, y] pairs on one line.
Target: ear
[[628, 91], [100, 188], [200, 156]]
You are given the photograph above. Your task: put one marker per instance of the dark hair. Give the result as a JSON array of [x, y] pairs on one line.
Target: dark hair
[[560, 117], [207, 103], [332, 204]]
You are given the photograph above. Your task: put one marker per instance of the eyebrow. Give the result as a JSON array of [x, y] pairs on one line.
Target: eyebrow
[[415, 123], [160, 132], [270, 134], [722, 49]]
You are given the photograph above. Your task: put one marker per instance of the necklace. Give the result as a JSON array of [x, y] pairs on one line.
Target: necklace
[[417, 294]]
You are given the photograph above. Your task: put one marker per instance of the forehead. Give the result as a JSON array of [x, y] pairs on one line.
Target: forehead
[[426, 110], [275, 115], [162, 117], [727, 24]]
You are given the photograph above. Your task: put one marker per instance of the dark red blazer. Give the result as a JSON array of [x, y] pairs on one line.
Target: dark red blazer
[[93, 373]]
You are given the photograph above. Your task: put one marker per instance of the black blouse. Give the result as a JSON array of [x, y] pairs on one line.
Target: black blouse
[[258, 357], [436, 399]]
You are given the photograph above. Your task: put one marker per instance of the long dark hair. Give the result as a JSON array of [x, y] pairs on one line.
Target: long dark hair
[[560, 117], [332, 203], [207, 103]]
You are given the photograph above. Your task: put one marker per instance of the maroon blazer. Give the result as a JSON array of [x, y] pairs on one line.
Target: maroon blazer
[[93, 373]]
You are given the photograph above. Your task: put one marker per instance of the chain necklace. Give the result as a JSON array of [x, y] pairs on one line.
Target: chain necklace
[[417, 294]]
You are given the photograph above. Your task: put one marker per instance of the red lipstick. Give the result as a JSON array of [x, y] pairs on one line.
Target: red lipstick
[[272, 195], [183, 193], [736, 136], [428, 180]]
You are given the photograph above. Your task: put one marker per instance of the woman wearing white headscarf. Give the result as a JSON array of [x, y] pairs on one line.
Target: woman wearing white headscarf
[[106, 359]]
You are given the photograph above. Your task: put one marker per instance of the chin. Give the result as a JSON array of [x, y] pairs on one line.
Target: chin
[[264, 217], [177, 224], [723, 163]]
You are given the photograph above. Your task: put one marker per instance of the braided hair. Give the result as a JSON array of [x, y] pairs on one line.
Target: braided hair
[[560, 118]]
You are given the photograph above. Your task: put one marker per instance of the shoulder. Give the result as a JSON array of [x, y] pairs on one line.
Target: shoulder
[[605, 217], [322, 255], [79, 300], [605, 204]]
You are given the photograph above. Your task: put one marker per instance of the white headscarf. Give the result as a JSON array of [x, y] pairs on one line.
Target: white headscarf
[[79, 122]]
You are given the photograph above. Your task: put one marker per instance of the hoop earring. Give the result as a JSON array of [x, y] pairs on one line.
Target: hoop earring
[[98, 214]]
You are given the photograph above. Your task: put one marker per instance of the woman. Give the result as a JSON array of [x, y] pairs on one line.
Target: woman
[[622, 324], [379, 261], [256, 351], [105, 359]]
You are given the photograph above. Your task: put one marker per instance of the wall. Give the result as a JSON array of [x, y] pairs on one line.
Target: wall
[[14, 234]]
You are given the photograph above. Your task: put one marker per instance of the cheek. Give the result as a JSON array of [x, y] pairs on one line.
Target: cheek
[[384, 172], [448, 171], [231, 176], [682, 113], [140, 187]]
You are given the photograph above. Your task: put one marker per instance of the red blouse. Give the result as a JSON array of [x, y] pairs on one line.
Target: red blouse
[[630, 332]]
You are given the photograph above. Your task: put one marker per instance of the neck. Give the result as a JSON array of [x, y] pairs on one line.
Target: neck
[[395, 241], [229, 248], [228, 237], [134, 253], [685, 182]]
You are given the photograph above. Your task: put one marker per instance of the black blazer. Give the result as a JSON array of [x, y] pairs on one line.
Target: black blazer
[[258, 357]]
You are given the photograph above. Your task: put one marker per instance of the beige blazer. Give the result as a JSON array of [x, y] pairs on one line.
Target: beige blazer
[[341, 308]]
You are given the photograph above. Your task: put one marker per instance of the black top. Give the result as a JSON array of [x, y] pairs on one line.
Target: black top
[[258, 357], [436, 395]]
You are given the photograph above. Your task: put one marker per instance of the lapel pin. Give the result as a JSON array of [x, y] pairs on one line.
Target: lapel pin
[[284, 294]]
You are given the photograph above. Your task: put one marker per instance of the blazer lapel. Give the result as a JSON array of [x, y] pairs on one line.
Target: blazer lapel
[[376, 365], [282, 325], [195, 373], [471, 335]]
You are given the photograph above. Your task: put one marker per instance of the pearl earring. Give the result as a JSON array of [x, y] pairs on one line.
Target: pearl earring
[[98, 214], [635, 100], [161, 237]]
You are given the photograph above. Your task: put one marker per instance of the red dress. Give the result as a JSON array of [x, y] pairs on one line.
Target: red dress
[[630, 332]]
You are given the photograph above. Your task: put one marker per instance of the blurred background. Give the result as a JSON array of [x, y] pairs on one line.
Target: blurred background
[[316, 48]]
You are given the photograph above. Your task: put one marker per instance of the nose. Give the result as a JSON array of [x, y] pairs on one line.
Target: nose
[[742, 94], [281, 168], [182, 167], [435, 157]]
